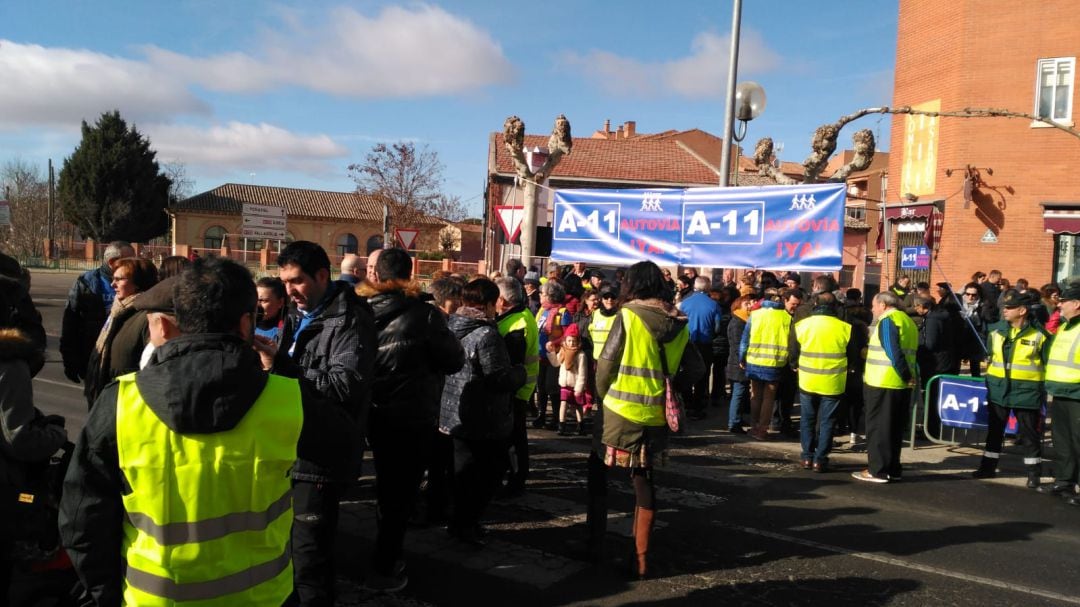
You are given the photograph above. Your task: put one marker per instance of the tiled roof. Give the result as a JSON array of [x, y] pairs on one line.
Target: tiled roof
[[316, 204], [645, 160]]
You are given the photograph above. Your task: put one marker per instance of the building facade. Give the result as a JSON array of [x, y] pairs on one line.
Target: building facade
[[986, 193]]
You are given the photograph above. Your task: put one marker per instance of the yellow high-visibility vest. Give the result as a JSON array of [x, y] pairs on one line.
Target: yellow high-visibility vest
[[769, 332], [1025, 364], [599, 327], [879, 371], [1063, 365], [523, 320], [638, 392], [209, 515], [823, 342]]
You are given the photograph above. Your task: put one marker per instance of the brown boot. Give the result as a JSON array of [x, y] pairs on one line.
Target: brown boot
[[643, 524]]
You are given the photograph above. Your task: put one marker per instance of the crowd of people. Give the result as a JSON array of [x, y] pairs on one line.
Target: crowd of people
[[228, 415]]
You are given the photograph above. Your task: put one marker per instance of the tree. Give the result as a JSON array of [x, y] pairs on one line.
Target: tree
[[181, 185], [111, 187], [449, 208], [559, 144], [408, 176], [28, 196]]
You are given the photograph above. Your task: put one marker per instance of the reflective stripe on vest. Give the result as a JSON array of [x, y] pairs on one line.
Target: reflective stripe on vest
[[1063, 365], [523, 320], [769, 332], [638, 392], [1025, 362], [823, 342], [599, 327], [880, 372], [209, 515]]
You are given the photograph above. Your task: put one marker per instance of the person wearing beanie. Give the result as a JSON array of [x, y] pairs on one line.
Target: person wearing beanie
[[573, 368], [1014, 383]]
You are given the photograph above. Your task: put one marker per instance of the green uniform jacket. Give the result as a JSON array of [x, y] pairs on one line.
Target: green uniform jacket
[[1014, 393]]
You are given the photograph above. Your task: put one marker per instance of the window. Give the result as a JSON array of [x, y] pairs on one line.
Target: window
[[346, 243], [856, 213], [213, 237], [1053, 92]]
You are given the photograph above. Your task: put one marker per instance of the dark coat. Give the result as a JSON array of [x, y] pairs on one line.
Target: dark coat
[[476, 399], [129, 334], [334, 356], [84, 315], [735, 371], [196, 384], [938, 343], [415, 351]]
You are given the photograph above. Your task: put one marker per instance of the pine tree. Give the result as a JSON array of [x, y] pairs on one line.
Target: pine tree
[[111, 187]]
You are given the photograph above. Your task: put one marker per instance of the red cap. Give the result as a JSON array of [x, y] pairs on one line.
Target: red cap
[[571, 331]]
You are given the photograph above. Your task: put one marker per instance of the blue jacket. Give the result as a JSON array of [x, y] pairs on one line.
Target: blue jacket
[[703, 317]]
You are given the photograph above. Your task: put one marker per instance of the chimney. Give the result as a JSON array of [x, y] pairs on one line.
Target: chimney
[[619, 133], [631, 128], [607, 127]]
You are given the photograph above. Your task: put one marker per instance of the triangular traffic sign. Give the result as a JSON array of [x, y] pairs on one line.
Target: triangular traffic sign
[[510, 218], [406, 237]]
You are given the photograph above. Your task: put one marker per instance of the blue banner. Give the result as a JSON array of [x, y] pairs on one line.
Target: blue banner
[[915, 258], [962, 402], [797, 227]]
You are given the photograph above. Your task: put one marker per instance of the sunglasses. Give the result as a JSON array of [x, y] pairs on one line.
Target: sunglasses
[[971, 294]]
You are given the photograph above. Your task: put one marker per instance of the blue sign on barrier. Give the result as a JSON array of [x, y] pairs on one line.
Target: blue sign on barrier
[[797, 227], [962, 403]]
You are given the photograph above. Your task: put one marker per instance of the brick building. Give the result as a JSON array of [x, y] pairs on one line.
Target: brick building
[[1006, 192]]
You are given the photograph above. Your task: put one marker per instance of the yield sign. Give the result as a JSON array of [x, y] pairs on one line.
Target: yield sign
[[510, 218], [406, 236]]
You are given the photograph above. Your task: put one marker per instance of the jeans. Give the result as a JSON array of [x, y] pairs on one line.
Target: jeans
[[740, 398], [820, 411]]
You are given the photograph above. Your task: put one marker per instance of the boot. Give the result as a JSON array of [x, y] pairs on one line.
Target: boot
[[1034, 478], [643, 524], [564, 430], [987, 468]]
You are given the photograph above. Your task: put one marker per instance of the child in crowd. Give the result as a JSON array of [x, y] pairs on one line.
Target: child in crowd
[[573, 376]]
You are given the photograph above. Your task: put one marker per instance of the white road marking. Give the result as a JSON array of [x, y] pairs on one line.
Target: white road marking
[[1046, 594], [59, 383]]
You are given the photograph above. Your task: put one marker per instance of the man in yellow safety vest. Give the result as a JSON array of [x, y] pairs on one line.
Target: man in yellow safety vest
[[1063, 383]]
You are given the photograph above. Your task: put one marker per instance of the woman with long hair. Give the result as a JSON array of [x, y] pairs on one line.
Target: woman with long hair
[[647, 342]]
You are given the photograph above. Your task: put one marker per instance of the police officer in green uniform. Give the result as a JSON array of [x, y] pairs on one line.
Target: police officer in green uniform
[[1014, 383], [208, 518], [1063, 383]]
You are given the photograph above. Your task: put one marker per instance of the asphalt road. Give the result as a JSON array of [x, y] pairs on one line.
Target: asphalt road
[[738, 525]]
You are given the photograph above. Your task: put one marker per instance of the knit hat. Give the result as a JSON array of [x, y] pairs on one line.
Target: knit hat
[[532, 277], [571, 331]]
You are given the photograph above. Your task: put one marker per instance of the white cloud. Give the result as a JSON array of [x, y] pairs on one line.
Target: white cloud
[[399, 53], [238, 145], [59, 86], [700, 75]]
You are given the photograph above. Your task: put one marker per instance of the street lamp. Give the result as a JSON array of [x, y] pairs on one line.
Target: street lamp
[[749, 104]]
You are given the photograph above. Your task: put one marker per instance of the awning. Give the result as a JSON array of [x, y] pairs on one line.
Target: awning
[[909, 211], [1061, 218]]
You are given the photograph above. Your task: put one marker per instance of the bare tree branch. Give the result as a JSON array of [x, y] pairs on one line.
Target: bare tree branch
[[864, 155], [763, 158], [514, 140]]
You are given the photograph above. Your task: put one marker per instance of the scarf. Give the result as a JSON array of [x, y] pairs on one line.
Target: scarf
[[568, 355], [552, 311], [119, 308]]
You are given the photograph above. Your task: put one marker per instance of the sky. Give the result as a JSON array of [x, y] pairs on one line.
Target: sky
[[290, 93]]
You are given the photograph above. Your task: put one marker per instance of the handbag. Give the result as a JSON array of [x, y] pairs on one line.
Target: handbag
[[674, 410], [36, 508]]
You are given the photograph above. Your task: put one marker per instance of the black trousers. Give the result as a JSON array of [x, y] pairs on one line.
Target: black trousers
[[1027, 423], [315, 508], [787, 391], [1066, 433], [719, 379], [518, 452], [440, 474], [401, 452], [886, 417], [547, 389], [477, 466], [851, 418], [699, 397]]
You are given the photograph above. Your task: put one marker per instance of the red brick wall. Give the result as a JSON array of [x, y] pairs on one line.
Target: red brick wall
[[983, 53]]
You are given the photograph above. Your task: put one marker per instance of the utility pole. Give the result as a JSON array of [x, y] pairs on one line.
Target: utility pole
[[729, 100], [49, 216], [386, 242]]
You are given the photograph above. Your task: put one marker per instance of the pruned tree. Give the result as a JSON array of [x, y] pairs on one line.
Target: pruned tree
[[560, 143], [823, 143], [28, 196], [449, 208], [111, 187]]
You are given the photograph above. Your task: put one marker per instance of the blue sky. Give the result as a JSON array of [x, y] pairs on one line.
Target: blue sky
[[296, 91]]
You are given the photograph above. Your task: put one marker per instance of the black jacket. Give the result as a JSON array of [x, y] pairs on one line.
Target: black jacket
[[196, 384], [415, 351], [476, 399], [84, 315], [735, 371], [333, 356]]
